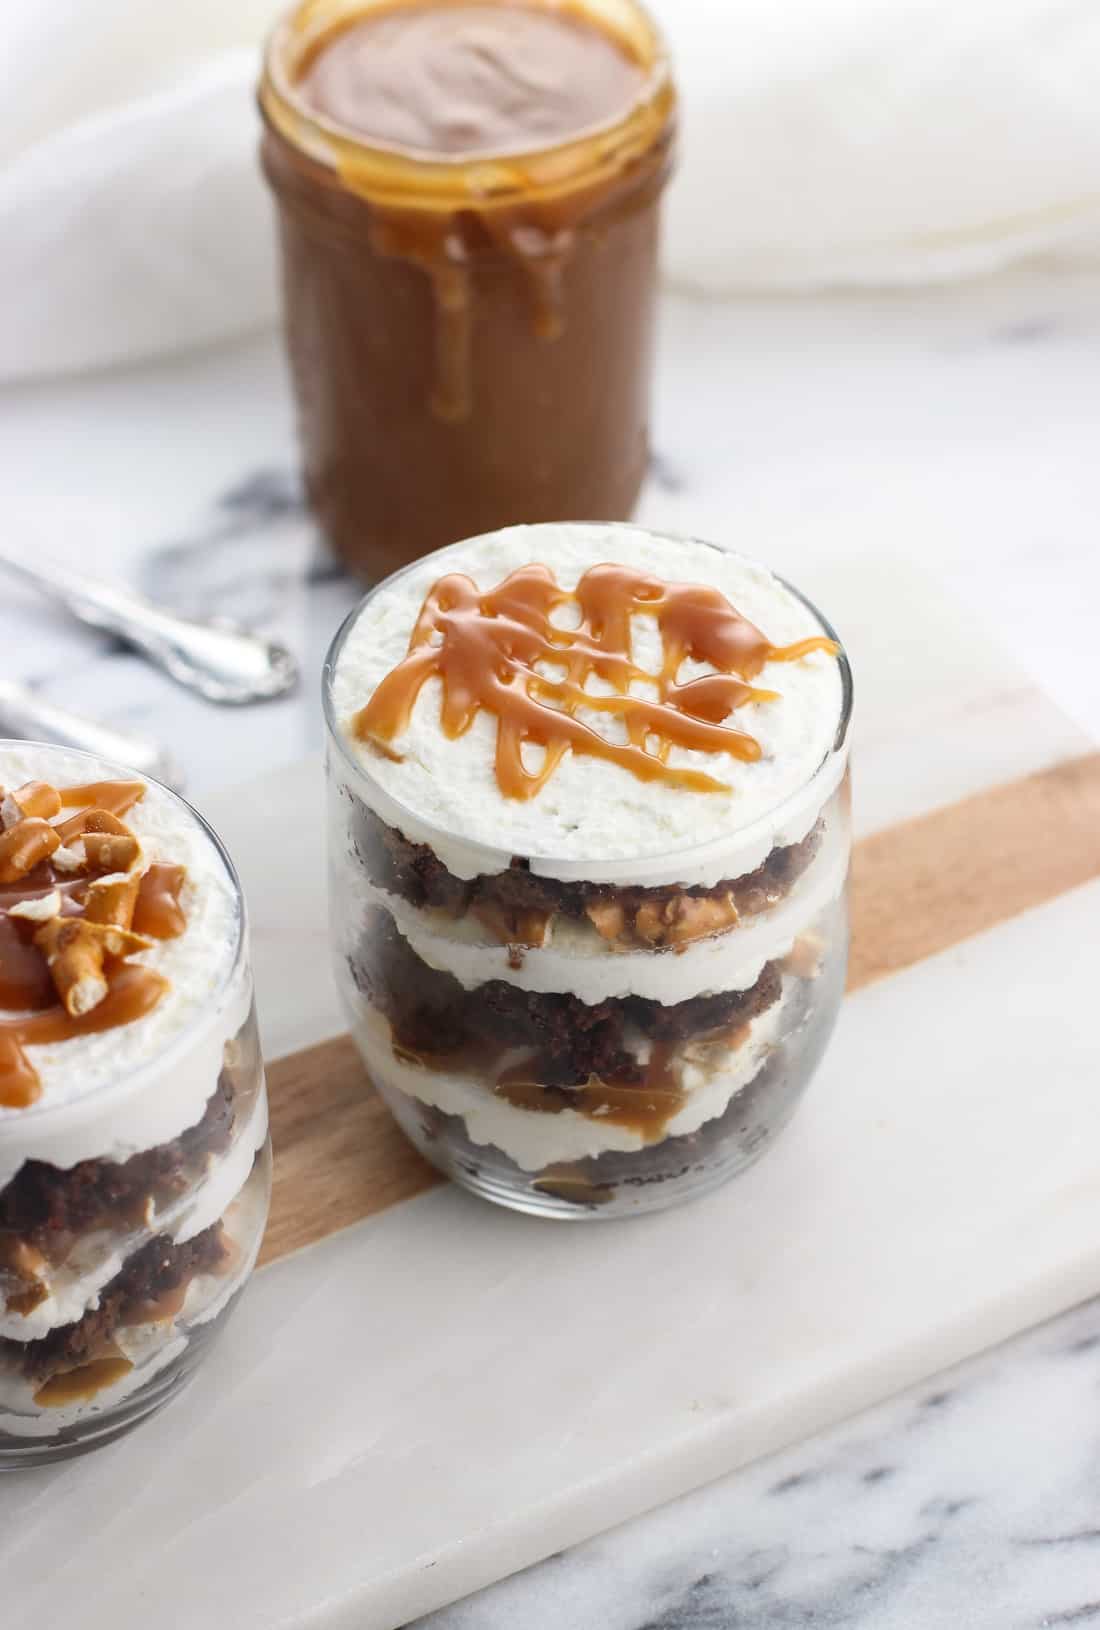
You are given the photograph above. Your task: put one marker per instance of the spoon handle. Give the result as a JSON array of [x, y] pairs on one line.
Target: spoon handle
[[28, 718], [222, 663]]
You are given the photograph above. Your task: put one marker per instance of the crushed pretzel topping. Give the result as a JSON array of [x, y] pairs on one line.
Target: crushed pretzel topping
[[75, 957], [673, 923], [528, 930], [689, 918], [112, 899], [24, 846], [608, 918], [107, 852], [33, 798], [40, 908], [70, 888]]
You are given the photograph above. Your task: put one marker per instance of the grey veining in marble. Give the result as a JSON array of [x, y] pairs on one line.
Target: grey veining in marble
[[249, 550], [972, 1503], [250, 553]]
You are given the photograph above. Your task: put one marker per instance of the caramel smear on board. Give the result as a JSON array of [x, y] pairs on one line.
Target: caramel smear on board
[[486, 649], [76, 902]]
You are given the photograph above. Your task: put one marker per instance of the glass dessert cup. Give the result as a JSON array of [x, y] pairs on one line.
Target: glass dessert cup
[[583, 1040], [135, 1174], [470, 336]]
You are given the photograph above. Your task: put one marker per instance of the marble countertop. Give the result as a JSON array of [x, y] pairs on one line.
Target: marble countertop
[[956, 429], [970, 1503]]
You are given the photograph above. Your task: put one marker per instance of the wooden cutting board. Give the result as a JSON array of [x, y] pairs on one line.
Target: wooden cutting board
[[421, 1393], [917, 889]]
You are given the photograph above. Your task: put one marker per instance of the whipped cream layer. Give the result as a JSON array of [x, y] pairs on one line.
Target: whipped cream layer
[[98, 1098], [594, 819]]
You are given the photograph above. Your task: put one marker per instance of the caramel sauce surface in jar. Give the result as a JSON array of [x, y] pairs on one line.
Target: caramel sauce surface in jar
[[468, 196]]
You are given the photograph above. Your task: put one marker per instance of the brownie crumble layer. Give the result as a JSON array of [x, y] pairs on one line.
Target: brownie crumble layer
[[518, 905], [47, 1207], [433, 1017], [594, 1182], [150, 1286]]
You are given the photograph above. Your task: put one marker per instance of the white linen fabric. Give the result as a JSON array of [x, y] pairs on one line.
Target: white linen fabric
[[826, 143]]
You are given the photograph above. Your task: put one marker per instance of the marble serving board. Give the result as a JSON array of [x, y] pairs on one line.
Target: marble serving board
[[415, 1403]]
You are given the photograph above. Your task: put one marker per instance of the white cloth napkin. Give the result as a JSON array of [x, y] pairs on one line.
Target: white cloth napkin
[[825, 143]]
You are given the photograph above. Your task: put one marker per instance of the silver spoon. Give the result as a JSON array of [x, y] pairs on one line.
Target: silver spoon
[[220, 661], [27, 717]]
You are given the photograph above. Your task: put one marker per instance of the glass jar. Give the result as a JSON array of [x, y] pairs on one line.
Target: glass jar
[[470, 339], [135, 1166], [588, 1039]]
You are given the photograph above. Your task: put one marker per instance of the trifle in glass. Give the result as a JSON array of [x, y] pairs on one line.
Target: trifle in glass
[[589, 841], [134, 1156]]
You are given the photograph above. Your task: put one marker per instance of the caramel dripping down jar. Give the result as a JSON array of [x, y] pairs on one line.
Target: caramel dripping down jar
[[470, 339]]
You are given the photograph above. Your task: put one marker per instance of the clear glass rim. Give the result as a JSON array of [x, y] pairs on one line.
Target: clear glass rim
[[481, 178], [545, 864], [135, 1080]]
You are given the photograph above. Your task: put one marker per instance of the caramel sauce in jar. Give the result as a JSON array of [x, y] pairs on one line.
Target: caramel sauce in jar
[[468, 204]]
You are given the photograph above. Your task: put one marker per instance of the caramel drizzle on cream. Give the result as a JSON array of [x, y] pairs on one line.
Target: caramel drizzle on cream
[[487, 650], [31, 1013]]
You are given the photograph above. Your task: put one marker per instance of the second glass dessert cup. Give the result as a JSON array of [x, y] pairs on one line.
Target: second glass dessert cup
[[590, 1042], [135, 1163]]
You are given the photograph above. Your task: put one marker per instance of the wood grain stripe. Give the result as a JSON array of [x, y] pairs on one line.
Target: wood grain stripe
[[339, 1155], [917, 889], [929, 883]]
